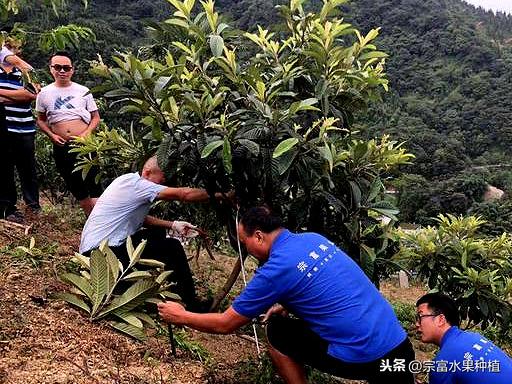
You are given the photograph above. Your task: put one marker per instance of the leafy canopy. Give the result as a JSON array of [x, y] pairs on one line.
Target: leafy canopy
[[266, 114]]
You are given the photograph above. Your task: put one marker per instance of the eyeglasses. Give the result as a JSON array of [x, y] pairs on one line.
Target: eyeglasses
[[65, 68], [420, 317]]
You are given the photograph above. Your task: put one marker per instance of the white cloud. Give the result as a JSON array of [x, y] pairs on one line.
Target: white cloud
[[495, 5]]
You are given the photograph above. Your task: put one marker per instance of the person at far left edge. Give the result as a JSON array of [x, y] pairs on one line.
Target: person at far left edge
[[17, 140], [66, 110]]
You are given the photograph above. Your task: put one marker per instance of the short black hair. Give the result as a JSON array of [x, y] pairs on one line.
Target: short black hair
[[260, 218], [61, 53], [440, 303]]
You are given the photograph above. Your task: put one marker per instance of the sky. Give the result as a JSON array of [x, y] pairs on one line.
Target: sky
[[495, 5]]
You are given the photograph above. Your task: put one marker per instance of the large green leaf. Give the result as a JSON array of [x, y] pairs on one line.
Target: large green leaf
[[210, 147], [130, 319], [79, 282], [217, 45], [133, 297], [82, 260], [226, 156], [162, 277], [137, 275], [99, 278], [152, 263], [114, 266], [136, 253], [144, 317], [74, 300], [130, 330], [284, 146]]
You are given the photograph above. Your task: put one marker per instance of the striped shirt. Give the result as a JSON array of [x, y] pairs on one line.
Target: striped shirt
[[18, 116]]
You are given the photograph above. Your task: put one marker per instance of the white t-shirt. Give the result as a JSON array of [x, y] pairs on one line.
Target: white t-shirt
[[120, 211], [66, 103]]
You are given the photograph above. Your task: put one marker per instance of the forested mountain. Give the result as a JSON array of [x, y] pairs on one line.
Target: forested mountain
[[450, 71]]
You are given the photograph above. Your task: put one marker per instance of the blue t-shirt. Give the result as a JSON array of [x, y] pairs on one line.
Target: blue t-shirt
[[469, 358], [120, 211], [312, 278]]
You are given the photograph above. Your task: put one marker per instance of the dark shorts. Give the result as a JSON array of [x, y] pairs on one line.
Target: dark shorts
[[293, 338], [80, 188]]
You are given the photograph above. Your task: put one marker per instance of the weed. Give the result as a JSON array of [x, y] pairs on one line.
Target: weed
[[194, 349], [31, 255]]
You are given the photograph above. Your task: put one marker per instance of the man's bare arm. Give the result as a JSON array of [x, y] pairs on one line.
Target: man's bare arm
[[93, 124], [18, 62], [156, 222], [17, 95], [183, 194], [189, 194], [226, 322]]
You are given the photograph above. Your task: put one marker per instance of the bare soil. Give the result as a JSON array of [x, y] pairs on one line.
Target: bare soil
[[46, 341]]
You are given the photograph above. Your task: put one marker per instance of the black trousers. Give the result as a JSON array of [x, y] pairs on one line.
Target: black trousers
[[293, 338], [80, 188], [170, 252], [18, 151]]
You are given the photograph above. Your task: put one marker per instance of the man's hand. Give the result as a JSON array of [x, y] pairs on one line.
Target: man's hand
[[184, 229], [277, 309], [59, 140], [171, 312]]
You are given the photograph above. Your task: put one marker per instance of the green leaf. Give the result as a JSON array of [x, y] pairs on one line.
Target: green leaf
[[145, 318], [326, 153], [375, 189], [130, 319], [114, 266], [253, 147], [80, 283], [162, 277], [133, 297], [73, 300], [130, 330], [137, 275], [130, 249], [210, 147], [391, 213], [217, 45], [99, 278], [372, 55], [356, 193], [284, 146], [226, 156], [171, 295], [152, 263], [82, 260], [304, 105]]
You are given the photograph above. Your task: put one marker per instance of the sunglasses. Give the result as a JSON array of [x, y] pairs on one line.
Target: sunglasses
[[65, 68]]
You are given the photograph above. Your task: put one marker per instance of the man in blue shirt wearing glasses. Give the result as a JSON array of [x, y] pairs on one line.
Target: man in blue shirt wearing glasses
[[464, 357]]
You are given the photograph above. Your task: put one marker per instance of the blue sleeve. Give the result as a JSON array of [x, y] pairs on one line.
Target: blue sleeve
[[259, 295]]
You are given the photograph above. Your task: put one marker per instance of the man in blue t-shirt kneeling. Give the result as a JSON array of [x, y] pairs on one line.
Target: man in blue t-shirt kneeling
[[341, 325], [464, 357]]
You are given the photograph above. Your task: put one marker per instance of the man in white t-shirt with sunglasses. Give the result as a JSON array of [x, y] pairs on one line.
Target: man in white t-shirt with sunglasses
[[66, 110]]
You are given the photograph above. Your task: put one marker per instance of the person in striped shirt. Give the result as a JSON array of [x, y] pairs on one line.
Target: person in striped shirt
[[17, 141]]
